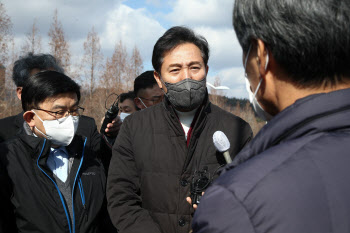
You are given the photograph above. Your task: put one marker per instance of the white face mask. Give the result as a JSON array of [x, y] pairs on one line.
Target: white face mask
[[123, 115], [252, 96], [61, 131]]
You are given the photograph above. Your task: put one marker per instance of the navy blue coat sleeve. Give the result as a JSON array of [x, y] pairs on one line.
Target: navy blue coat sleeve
[[221, 212]]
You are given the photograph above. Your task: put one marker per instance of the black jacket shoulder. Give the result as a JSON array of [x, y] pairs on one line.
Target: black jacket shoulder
[[10, 126]]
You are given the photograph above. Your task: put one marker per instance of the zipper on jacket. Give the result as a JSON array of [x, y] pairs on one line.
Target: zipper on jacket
[[58, 190], [75, 179], [82, 195]]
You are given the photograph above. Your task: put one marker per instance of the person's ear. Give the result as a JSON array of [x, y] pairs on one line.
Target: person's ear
[[157, 78], [19, 92], [207, 69], [138, 103], [28, 117], [263, 57]]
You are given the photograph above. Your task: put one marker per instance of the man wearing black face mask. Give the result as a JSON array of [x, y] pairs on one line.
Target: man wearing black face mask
[[160, 148]]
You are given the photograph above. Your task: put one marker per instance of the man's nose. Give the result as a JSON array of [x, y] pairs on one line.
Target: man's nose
[[186, 73]]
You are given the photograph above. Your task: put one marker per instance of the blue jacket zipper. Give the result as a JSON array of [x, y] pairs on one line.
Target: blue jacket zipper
[[59, 192], [81, 191]]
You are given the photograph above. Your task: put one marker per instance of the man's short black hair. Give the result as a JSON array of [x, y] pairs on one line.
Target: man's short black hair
[[46, 84], [309, 39], [128, 95], [143, 81], [171, 39], [24, 65]]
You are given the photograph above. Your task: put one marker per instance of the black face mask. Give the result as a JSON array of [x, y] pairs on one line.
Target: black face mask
[[187, 94]]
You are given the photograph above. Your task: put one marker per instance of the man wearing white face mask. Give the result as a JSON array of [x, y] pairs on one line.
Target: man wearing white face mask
[[126, 104], [49, 176], [293, 176], [252, 96]]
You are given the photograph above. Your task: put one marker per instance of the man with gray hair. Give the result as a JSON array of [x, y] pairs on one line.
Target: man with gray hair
[[293, 176], [22, 70]]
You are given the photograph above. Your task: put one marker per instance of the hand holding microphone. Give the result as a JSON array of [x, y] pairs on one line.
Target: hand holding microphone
[[222, 144]]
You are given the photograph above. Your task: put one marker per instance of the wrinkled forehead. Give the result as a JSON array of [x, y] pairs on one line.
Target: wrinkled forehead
[[63, 100]]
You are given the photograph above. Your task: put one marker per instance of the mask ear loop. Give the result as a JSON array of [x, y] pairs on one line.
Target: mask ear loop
[[246, 60], [46, 136], [37, 115], [142, 102]]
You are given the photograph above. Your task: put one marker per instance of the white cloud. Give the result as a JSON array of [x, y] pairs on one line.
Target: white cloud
[[225, 50], [133, 27], [77, 16], [234, 79], [214, 13]]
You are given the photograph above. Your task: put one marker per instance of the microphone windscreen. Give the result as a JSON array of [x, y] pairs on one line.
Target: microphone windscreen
[[221, 142]]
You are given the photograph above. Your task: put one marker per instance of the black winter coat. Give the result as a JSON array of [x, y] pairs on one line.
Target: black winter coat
[[293, 176], [30, 199], [12, 125], [151, 168]]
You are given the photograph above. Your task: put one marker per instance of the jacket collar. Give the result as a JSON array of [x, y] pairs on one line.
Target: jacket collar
[[309, 115], [18, 121], [35, 144], [200, 116]]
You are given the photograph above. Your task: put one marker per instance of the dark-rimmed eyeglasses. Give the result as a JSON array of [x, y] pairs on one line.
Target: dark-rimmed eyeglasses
[[154, 100], [63, 113]]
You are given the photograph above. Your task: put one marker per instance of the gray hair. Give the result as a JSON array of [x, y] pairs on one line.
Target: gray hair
[[24, 65], [309, 39]]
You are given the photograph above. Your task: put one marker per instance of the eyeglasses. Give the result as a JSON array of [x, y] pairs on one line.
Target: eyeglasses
[[63, 113], [154, 100]]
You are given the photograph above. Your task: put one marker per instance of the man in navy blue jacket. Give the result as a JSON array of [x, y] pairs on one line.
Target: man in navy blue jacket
[[294, 176]]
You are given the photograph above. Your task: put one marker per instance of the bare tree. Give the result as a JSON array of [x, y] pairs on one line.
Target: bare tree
[[119, 63], [115, 69], [121, 69], [5, 33], [32, 41], [5, 38], [59, 47], [135, 66], [92, 58], [13, 105]]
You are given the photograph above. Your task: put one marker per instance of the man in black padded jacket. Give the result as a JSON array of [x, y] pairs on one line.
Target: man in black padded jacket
[[160, 149]]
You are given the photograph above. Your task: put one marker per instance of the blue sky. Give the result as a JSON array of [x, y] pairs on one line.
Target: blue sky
[[140, 23]]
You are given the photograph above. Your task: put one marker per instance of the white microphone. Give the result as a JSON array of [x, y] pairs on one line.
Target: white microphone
[[222, 145]]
